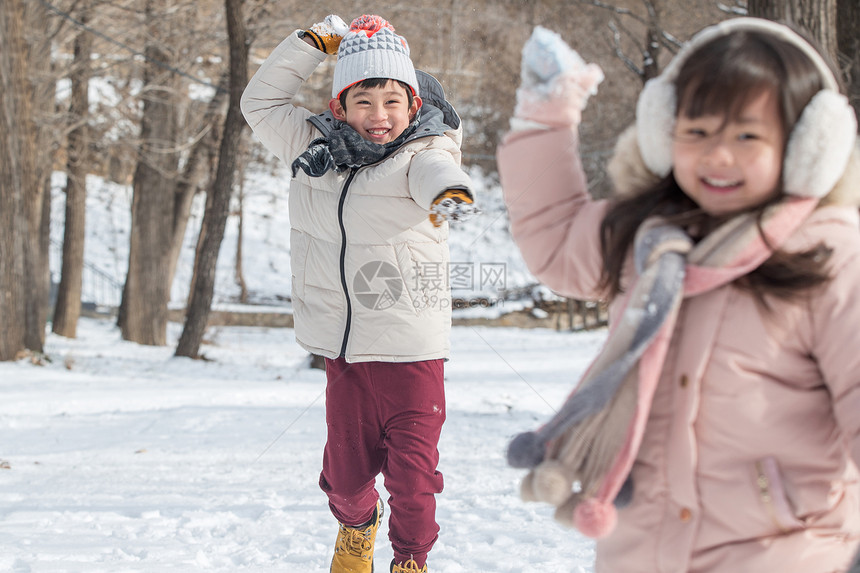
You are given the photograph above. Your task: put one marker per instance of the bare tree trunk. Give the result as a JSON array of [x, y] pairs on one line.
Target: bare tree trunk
[[146, 293], [68, 307], [239, 271], [24, 278], [848, 34], [817, 16], [38, 196], [214, 220], [43, 276], [17, 176], [650, 67], [190, 179]]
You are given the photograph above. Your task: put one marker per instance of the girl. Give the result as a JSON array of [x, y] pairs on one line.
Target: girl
[[718, 429]]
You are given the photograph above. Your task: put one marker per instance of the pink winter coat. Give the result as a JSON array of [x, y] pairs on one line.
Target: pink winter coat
[[749, 458]]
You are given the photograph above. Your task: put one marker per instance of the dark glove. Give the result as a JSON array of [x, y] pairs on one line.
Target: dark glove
[[452, 205]]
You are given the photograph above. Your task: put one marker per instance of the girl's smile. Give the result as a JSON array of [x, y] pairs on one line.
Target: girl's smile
[[727, 165]]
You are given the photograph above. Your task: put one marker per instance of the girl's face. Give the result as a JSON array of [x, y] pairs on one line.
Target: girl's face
[[728, 165]]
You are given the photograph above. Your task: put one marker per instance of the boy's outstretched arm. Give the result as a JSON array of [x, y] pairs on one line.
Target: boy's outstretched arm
[[439, 185]]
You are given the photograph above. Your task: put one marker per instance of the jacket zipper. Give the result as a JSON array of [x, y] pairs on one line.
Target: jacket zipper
[[340, 207], [343, 283]]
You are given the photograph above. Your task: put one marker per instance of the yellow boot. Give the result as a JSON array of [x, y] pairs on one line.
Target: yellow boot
[[353, 550], [410, 566]]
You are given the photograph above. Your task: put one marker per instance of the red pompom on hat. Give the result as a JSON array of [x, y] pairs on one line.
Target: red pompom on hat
[[370, 23], [369, 50]]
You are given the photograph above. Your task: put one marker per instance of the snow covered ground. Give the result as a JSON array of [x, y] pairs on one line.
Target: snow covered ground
[[117, 457]]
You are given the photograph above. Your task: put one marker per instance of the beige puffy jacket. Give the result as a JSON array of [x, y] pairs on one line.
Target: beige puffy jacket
[[750, 453], [369, 270]]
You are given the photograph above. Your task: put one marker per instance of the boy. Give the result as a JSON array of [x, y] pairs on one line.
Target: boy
[[374, 179]]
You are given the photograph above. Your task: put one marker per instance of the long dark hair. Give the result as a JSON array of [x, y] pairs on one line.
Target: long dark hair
[[720, 78]]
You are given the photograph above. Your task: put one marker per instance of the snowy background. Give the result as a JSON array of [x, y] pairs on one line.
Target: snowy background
[[485, 262], [119, 457]]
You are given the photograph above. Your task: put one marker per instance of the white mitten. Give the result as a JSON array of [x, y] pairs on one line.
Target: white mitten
[[555, 82]]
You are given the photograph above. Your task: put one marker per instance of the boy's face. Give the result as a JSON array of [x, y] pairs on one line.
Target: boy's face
[[378, 114]]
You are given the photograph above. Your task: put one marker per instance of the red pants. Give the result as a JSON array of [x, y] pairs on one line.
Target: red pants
[[385, 417]]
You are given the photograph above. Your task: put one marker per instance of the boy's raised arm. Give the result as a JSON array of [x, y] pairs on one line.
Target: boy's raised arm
[[267, 100]]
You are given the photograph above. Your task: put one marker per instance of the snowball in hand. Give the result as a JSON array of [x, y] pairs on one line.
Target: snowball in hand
[[545, 56], [555, 82], [332, 25]]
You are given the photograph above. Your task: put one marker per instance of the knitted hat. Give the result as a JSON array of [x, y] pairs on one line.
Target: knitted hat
[[371, 49]]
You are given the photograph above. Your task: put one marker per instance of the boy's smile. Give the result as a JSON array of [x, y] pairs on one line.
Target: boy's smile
[[378, 114]]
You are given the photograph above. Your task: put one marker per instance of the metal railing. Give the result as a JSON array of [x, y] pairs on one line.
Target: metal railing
[[99, 289]]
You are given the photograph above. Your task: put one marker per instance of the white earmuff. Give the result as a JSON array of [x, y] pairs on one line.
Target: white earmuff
[[819, 146]]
